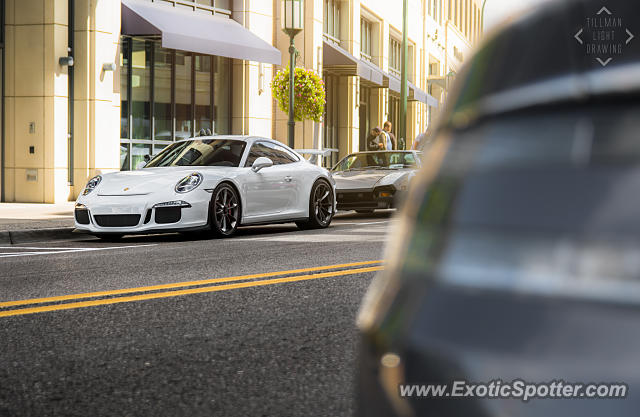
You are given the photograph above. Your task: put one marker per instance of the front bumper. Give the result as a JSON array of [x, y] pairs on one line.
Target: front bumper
[[367, 199], [137, 215]]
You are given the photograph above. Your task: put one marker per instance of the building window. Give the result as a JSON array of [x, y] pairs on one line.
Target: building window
[[221, 6], [365, 39], [332, 19], [169, 95], [473, 23], [394, 112], [466, 18], [141, 89], [124, 89], [184, 122], [162, 88], [203, 109], [222, 95], [395, 54], [411, 76]]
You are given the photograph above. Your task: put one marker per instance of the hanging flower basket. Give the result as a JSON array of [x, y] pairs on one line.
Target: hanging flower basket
[[309, 93]]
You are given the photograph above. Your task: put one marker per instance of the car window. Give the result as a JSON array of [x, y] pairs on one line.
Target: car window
[[392, 160], [202, 152], [278, 154]]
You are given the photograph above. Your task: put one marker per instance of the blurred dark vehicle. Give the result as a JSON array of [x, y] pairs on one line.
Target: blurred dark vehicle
[[518, 250], [367, 181]]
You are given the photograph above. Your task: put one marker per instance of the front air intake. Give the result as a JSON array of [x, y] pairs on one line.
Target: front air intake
[[117, 220]]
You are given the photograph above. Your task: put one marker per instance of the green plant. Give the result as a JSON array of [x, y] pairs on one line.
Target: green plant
[[309, 94]]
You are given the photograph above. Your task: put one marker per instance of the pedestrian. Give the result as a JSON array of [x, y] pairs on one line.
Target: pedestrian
[[387, 128], [421, 140], [385, 141], [373, 141]]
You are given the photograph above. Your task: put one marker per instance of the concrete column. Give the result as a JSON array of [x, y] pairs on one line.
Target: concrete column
[[349, 117], [252, 111], [36, 101], [97, 92]]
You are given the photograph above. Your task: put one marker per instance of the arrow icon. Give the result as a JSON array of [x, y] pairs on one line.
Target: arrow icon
[[604, 9], [577, 36], [630, 36], [604, 63]]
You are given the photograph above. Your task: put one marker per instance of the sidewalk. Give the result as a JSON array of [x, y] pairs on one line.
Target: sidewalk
[[27, 222]]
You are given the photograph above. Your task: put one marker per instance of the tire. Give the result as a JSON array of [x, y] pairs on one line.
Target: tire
[[224, 210], [109, 237], [320, 207], [364, 211]]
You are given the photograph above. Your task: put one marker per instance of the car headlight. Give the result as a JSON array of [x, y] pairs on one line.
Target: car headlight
[[188, 183], [92, 184]]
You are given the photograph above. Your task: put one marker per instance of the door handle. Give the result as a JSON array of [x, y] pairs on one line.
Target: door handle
[[287, 179]]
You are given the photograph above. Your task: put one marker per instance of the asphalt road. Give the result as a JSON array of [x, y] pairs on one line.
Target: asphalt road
[[169, 325]]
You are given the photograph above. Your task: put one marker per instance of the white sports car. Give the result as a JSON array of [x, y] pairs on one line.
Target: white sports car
[[213, 182]]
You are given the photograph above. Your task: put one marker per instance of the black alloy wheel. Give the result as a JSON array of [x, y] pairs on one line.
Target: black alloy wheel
[[320, 207], [224, 210]]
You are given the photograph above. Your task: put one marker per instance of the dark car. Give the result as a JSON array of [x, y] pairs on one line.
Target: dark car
[[517, 256], [367, 181]]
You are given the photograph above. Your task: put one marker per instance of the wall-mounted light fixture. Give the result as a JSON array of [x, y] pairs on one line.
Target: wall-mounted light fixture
[[108, 66], [66, 61]]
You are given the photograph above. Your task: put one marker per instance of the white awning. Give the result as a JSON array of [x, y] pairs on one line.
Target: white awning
[[336, 59], [414, 93], [195, 32]]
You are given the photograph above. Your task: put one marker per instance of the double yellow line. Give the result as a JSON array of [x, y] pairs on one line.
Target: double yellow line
[[66, 302]]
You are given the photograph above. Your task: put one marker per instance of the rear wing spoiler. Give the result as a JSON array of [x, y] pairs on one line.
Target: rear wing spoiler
[[316, 152]]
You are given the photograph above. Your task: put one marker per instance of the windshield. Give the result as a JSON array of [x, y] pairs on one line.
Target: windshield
[[200, 152], [379, 160]]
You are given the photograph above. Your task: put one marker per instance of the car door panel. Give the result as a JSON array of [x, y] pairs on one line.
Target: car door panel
[[272, 192]]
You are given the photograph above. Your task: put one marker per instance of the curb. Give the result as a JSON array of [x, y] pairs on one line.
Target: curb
[[12, 237]]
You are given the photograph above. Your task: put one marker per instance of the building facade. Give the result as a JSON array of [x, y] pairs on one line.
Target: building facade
[[92, 86]]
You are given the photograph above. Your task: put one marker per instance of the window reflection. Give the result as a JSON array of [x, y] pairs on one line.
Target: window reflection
[[162, 93], [169, 95], [203, 93], [124, 83], [221, 95], [138, 153], [183, 95], [141, 88]]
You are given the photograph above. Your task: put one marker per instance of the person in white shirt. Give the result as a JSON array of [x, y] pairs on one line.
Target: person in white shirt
[[385, 141]]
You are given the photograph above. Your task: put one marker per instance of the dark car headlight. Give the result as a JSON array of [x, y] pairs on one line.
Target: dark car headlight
[[384, 191], [92, 184], [188, 183]]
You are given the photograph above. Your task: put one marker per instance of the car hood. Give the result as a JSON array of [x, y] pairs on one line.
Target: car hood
[[353, 180], [143, 181]]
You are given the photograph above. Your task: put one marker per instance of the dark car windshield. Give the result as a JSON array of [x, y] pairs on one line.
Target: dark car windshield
[[387, 160], [200, 152]]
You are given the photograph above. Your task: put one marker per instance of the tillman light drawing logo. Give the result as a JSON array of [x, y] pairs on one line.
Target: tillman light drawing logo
[[604, 36]]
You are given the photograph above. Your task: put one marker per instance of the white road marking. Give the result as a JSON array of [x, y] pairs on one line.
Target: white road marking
[[35, 248], [49, 251]]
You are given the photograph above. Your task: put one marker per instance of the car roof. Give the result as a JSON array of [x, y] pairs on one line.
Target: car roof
[[244, 138], [520, 66]]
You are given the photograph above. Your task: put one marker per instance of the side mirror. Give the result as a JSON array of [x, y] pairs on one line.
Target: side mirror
[[261, 162]]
